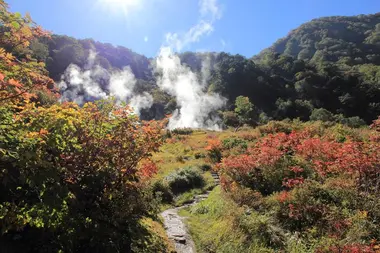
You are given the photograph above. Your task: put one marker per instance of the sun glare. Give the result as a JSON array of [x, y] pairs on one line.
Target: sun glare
[[120, 5]]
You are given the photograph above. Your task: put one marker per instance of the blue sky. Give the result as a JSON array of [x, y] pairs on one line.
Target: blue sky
[[245, 27]]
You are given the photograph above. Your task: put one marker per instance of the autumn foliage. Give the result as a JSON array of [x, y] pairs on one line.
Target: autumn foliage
[[22, 78], [72, 179], [313, 181]]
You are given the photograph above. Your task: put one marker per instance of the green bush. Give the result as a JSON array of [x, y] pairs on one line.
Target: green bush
[[168, 134], [182, 131], [162, 190], [215, 155], [199, 155], [264, 118], [234, 142], [185, 179], [276, 127], [322, 115], [180, 158], [354, 122], [205, 167], [230, 119], [262, 228]]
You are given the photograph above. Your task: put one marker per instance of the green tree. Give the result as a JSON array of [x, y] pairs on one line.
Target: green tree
[[230, 119], [245, 110], [321, 114]]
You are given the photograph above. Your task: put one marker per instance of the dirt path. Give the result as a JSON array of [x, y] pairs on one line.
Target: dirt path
[[176, 229]]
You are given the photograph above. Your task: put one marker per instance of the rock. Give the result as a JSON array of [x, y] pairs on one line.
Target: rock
[[181, 240], [176, 229]]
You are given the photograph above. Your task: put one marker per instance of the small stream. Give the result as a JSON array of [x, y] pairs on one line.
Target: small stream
[[176, 229]]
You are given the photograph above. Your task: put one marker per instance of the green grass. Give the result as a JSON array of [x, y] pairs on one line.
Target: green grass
[[218, 224], [181, 153], [212, 226], [187, 148], [211, 222], [187, 197], [157, 239]]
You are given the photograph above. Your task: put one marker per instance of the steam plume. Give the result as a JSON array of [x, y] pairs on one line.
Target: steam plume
[[94, 82], [196, 107]]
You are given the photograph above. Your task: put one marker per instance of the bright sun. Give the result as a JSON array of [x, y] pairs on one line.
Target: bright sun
[[123, 2], [120, 5]]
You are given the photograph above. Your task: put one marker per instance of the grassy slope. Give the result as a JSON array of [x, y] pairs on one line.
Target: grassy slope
[[179, 152], [218, 224], [212, 226], [185, 147], [215, 230]]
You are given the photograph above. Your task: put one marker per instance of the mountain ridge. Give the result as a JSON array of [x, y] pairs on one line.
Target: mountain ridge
[[329, 62]]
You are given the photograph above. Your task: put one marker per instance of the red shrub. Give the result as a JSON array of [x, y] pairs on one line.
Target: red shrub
[[376, 124], [353, 248]]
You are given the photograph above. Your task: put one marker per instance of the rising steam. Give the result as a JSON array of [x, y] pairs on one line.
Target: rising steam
[[196, 107], [94, 83]]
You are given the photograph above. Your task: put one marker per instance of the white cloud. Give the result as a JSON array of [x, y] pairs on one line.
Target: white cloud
[[210, 7], [210, 11], [192, 35], [224, 44]]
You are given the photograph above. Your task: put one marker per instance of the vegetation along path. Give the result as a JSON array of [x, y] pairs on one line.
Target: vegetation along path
[[176, 228]]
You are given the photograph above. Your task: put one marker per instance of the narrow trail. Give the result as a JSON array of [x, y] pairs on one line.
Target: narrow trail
[[176, 228]]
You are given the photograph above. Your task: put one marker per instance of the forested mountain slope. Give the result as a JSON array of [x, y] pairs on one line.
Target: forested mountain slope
[[347, 40], [330, 63]]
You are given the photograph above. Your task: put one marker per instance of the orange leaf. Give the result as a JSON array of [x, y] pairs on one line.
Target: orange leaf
[[43, 132], [15, 83]]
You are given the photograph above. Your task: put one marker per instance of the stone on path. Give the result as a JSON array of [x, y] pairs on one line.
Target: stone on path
[[177, 231]]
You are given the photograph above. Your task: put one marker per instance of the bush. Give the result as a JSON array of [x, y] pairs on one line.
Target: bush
[[214, 152], [325, 207], [354, 122], [264, 118], [205, 167], [233, 142], [199, 209], [230, 119], [67, 188], [185, 179], [352, 248], [182, 131], [199, 155], [247, 197], [215, 155], [262, 228], [168, 134], [162, 190], [249, 137], [180, 158], [322, 115], [276, 127]]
